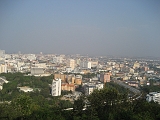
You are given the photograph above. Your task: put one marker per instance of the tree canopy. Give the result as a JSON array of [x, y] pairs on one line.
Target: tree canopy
[[110, 103]]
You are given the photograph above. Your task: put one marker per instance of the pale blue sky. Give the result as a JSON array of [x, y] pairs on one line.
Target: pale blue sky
[[94, 27]]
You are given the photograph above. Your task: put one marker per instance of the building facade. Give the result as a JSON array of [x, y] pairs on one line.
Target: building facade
[[153, 96], [85, 64], [2, 53], [63, 77], [56, 87], [89, 88], [37, 71], [68, 87], [71, 64], [105, 77], [3, 68]]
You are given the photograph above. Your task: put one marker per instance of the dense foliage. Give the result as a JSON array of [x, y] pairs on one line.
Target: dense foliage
[[120, 89], [151, 88], [148, 89], [110, 103], [104, 104], [88, 75], [39, 84]]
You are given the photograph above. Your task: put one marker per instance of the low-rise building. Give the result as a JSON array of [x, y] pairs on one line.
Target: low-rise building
[[25, 89], [63, 77], [37, 71], [68, 87], [90, 87], [78, 81], [133, 83], [153, 96], [2, 81]]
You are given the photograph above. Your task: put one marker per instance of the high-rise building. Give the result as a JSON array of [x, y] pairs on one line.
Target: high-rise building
[[3, 68], [85, 64], [71, 63], [56, 87], [77, 61], [94, 63], [2, 53]]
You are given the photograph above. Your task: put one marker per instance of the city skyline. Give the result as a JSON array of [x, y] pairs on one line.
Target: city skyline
[[118, 28]]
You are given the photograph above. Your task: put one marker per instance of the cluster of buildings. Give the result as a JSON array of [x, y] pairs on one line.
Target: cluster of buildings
[[69, 70], [43, 65], [69, 82]]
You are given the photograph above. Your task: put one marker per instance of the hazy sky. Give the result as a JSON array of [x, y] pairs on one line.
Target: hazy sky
[[94, 27]]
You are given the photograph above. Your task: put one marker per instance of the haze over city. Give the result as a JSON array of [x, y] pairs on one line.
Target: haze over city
[[93, 27]]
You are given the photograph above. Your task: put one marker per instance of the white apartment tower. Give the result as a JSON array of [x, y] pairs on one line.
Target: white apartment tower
[[56, 87]]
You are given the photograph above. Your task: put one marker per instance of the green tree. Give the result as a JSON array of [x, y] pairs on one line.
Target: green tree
[[105, 101], [23, 106], [79, 105]]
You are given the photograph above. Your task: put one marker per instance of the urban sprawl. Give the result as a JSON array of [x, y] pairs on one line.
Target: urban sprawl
[[72, 71]]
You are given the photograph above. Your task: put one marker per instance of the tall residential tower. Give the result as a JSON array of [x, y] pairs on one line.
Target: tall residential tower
[[56, 87]]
